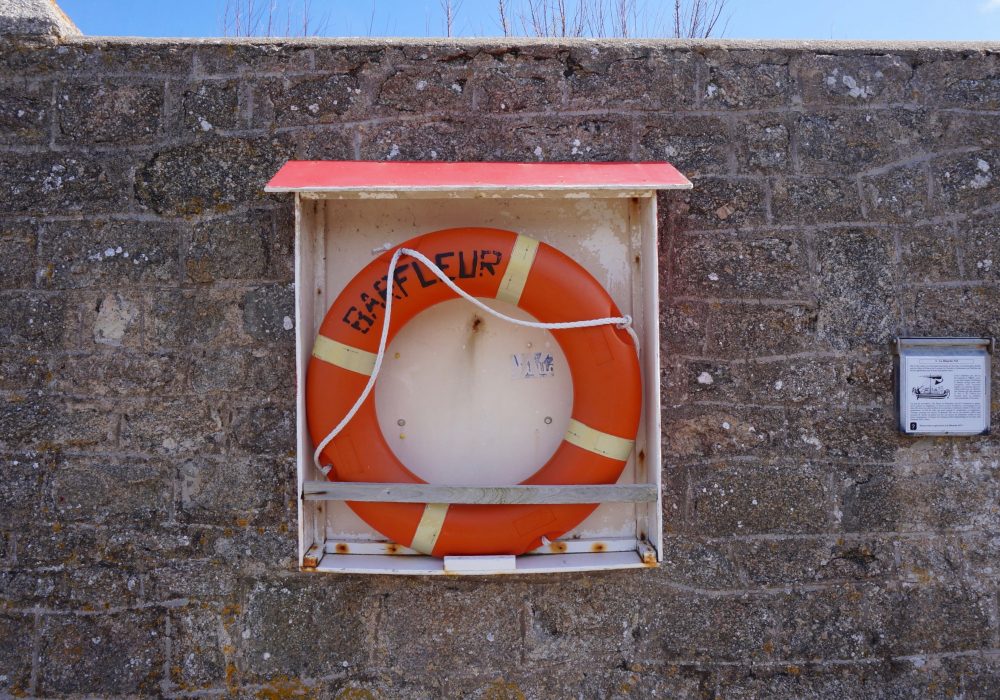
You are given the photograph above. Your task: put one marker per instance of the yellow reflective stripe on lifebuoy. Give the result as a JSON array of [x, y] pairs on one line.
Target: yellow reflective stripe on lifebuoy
[[587, 438], [360, 361], [429, 527], [514, 279]]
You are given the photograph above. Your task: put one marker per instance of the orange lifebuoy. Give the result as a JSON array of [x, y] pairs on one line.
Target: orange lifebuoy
[[486, 263]]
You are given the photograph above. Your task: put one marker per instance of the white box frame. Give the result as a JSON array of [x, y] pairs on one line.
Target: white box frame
[[320, 232]]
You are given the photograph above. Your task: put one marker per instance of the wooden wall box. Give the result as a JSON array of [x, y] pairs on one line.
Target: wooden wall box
[[601, 214]]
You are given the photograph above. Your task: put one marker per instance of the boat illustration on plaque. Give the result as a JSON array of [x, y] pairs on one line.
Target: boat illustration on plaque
[[931, 389]]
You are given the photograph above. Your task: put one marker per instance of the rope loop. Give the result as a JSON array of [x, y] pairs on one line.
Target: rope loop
[[621, 322]]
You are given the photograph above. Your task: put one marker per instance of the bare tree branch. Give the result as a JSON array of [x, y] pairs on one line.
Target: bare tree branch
[[450, 8], [698, 19], [613, 18], [263, 18], [552, 18], [504, 21], [538, 18]]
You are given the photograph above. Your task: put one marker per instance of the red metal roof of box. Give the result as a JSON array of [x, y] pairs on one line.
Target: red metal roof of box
[[345, 176]]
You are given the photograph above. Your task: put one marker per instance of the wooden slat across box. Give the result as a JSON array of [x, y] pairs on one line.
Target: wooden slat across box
[[603, 215]]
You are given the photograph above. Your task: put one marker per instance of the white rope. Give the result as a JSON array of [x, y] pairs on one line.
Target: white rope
[[623, 322]]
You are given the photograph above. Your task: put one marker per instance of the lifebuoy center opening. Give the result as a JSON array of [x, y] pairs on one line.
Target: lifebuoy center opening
[[478, 369]]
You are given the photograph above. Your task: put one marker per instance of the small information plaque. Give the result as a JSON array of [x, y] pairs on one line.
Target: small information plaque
[[943, 385]]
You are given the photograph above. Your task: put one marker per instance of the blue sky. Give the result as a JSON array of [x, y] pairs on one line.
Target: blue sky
[[750, 19]]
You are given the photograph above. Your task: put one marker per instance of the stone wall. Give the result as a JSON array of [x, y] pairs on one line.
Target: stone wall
[[843, 195]]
